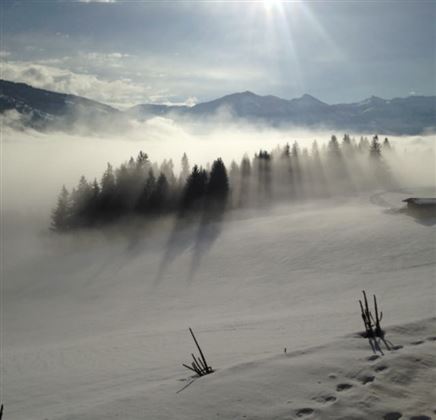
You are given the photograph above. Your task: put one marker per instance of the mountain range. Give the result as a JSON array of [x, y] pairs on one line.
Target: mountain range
[[44, 109]]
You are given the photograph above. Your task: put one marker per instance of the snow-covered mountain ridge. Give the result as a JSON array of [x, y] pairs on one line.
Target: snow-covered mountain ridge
[[410, 115]]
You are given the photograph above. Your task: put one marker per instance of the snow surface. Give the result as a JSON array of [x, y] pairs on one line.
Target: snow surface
[[95, 326]]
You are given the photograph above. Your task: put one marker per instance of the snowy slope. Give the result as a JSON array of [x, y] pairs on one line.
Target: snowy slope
[[96, 327], [341, 380]]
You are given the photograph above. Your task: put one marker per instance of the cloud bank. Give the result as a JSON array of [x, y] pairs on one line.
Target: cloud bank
[[119, 93]]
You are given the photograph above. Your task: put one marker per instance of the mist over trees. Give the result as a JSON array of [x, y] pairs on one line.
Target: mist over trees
[[145, 189]]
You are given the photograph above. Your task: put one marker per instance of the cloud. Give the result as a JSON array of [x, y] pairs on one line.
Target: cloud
[[191, 101], [79, 75], [119, 92], [124, 79], [104, 56]]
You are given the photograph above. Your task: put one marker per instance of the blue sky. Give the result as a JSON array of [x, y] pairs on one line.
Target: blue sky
[[129, 52]]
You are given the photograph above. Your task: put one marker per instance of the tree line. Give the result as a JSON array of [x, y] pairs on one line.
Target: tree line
[[145, 189]]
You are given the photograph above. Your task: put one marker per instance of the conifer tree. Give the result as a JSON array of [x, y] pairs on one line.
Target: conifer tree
[[93, 207], [159, 195], [60, 217], [107, 194], [81, 198], [144, 205], [218, 184], [379, 166], [195, 189], [375, 148], [264, 178], [167, 169], [286, 151], [142, 165], [333, 147], [295, 150], [363, 145], [347, 146], [244, 188], [387, 145], [184, 173]]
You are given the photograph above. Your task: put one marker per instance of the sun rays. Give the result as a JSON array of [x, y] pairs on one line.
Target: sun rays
[[270, 4]]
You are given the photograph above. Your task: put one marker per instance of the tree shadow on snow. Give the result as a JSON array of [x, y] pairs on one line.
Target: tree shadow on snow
[[208, 231], [181, 238], [184, 236]]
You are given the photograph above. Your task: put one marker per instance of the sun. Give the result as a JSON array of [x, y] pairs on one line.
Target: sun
[[270, 4]]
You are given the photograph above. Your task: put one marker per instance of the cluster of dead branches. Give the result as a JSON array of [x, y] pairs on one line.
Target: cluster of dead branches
[[373, 329], [372, 325], [199, 364]]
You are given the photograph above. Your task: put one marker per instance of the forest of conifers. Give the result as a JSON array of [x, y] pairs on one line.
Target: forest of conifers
[[144, 189]]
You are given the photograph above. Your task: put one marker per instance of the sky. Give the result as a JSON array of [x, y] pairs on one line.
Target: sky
[[128, 52]]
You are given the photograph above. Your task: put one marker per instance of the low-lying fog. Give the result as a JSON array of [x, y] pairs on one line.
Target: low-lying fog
[[36, 165]]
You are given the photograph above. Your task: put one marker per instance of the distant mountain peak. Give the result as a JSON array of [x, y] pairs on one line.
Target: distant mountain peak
[[309, 97], [377, 99], [373, 100], [245, 94], [248, 93], [308, 100]]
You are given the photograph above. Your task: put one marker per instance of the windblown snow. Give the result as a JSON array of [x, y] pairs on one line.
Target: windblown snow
[[96, 326]]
